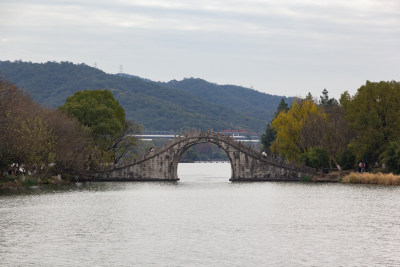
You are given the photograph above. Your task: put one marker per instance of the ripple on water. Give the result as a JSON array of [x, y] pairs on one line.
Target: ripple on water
[[201, 220]]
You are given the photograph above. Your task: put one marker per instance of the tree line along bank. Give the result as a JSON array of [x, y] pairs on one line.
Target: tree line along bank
[[90, 131], [326, 133], [85, 134]]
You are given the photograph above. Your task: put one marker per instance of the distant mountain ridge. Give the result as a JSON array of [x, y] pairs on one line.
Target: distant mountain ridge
[[190, 103], [244, 100]]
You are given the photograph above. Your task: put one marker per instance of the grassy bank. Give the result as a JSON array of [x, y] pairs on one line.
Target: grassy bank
[[372, 178]]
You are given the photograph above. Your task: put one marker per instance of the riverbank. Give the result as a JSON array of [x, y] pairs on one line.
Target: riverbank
[[372, 178], [349, 177], [13, 182]]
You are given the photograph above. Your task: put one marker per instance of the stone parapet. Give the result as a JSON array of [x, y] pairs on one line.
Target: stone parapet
[[247, 164]]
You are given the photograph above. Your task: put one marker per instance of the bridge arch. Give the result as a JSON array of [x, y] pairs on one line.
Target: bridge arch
[[247, 164], [179, 153]]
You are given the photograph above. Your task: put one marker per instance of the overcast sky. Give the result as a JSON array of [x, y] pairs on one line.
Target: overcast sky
[[283, 47]]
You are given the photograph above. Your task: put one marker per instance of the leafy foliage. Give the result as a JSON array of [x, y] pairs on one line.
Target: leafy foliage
[[325, 100], [292, 140], [103, 115], [270, 133], [45, 142], [282, 107], [347, 159], [335, 134], [316, 157], [374, 114], [391, 157], [36, 143], [99, 111], [308, 132], [267, 138]]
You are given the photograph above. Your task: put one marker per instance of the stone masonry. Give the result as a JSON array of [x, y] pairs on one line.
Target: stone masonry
[[247, 164]]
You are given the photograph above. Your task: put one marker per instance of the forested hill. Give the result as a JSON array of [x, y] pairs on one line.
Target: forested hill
[[244, 100], [158, 106]]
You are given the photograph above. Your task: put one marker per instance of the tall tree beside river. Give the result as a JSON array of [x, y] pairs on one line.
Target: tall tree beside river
[[311, 133], [291, 139], [103, 115], [46, 142], [366, 124], [374, 114], [11, 102], [270, 133]]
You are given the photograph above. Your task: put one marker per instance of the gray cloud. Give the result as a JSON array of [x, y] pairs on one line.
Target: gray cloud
[[282, 47]]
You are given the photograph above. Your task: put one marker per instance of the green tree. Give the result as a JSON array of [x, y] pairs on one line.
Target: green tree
[[98, 110], [270, 134], [317, 157], [267, 138], [324, 99], [391, 157], [374, 114], [104, 116], [282, 107], [347, 159]]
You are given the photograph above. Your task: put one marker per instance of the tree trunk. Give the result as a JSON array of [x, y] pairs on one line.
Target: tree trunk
[[336, 163]]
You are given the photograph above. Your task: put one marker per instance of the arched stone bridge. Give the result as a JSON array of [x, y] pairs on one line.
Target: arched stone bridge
[[247, 164]]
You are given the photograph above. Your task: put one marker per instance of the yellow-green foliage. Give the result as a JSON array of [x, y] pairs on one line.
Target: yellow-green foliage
[[372, 178], [290, 138]]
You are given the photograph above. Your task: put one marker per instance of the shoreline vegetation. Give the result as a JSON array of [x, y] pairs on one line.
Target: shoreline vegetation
[[90, 132], [354, 177], [344, 177], [26, 181], [45, 146], [378, 178], [356, 132]]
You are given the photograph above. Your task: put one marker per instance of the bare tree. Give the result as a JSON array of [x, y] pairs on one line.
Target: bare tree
[[125, 141], [336, 132]]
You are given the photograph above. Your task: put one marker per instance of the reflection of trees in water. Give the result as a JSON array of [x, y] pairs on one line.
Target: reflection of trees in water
[[204, 152]]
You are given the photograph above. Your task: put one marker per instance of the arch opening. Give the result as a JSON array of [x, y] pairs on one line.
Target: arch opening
[[202, 161]]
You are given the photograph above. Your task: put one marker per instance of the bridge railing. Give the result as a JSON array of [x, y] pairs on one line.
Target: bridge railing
[[234, 143], [258, 154]]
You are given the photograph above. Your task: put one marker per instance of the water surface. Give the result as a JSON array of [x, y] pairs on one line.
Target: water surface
[[201, 220]]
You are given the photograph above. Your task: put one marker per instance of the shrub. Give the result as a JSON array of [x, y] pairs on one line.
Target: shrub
[[347, 159], [306, 178], [391, 157], [30, 182], [316, 158]]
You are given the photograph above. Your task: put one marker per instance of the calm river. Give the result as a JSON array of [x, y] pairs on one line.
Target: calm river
[[202, 220]]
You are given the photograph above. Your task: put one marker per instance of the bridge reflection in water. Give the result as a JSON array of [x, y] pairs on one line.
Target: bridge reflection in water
[[247, 164]]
